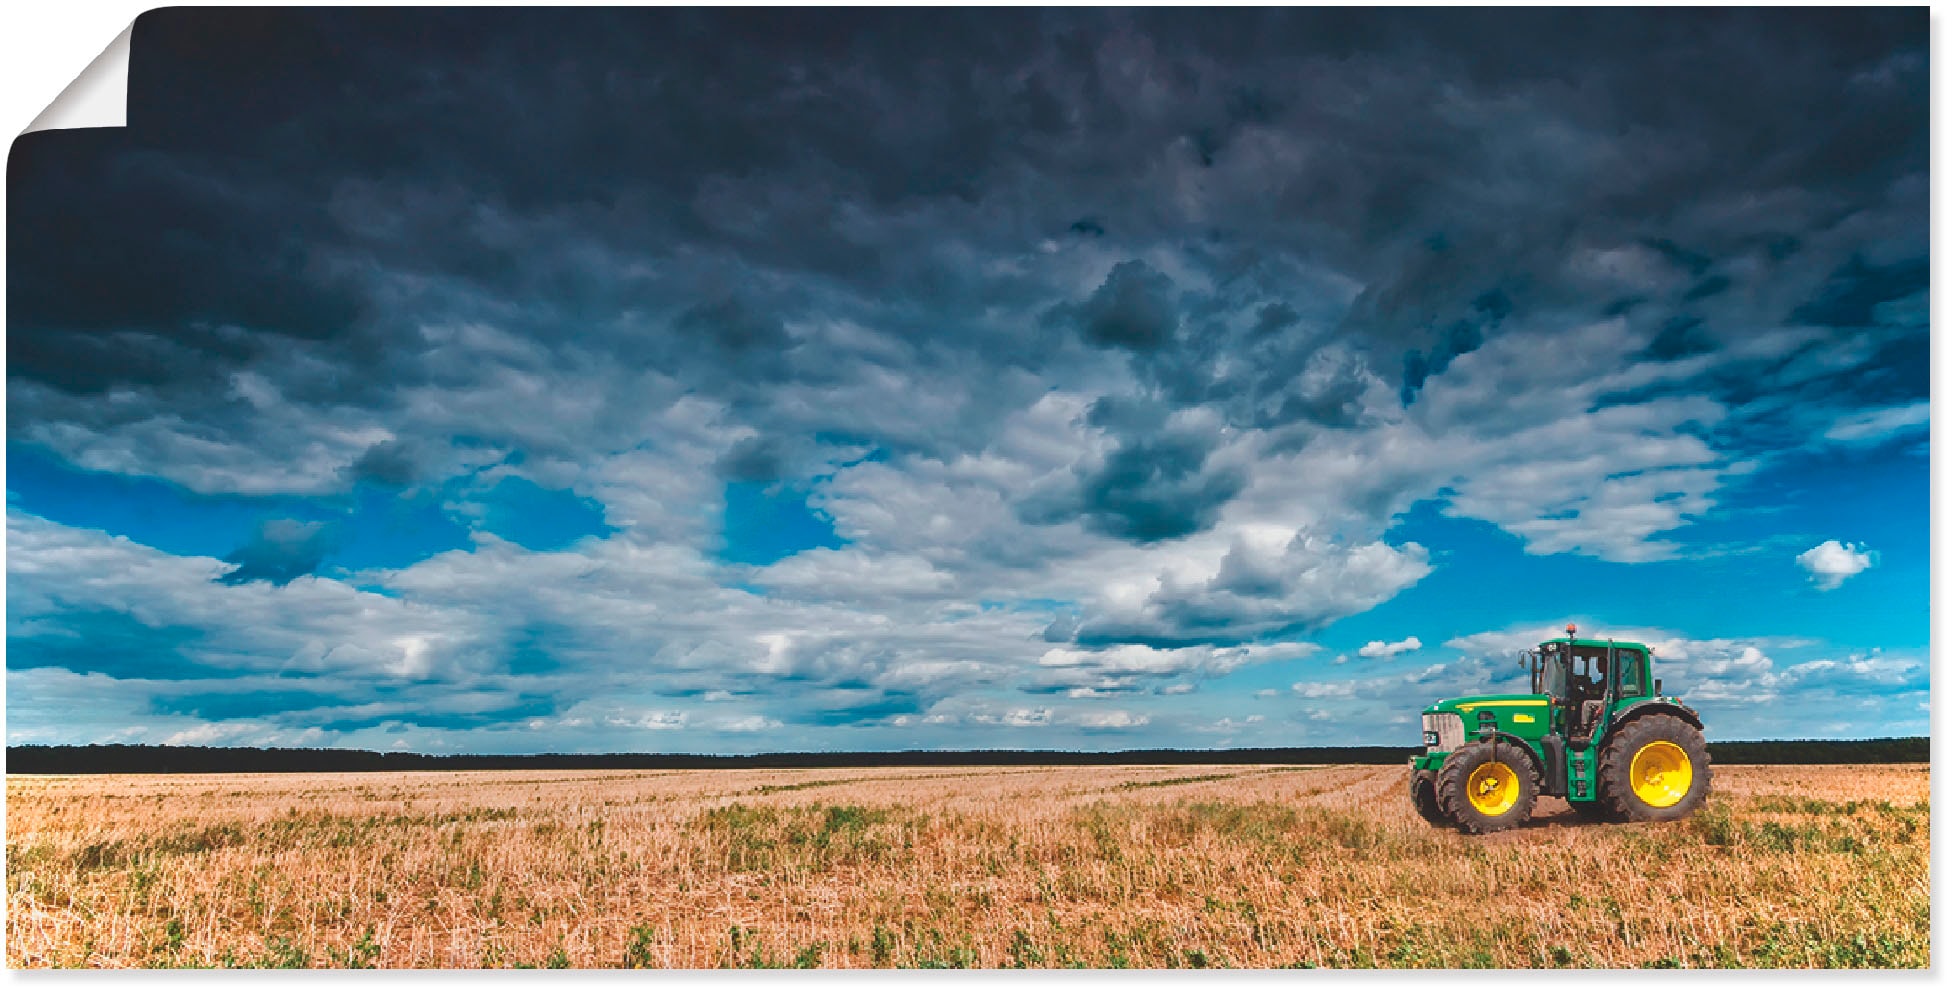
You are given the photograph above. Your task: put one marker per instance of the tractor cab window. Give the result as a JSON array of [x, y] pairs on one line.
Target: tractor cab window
[[1633, 673], [1588, 674], [1553, 678], [1551, 671]]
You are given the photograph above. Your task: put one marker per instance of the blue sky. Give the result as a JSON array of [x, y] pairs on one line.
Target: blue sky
[[662, 381]]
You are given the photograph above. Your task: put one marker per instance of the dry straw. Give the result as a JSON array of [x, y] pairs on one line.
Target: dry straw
[[1102, 867]]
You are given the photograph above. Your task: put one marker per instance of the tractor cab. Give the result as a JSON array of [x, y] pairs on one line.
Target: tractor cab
[[1594, 729], [1584, 678]]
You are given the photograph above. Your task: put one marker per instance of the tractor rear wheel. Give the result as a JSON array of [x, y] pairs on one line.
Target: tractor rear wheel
[[1423, 794], [1482, 790], [1655, 769]]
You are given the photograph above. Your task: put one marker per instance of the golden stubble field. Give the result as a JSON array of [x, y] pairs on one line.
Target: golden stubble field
[[1180, 866]]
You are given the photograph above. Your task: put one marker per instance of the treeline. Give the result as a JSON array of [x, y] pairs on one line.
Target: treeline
[[75, 759], [1806, 752], [85, 759]]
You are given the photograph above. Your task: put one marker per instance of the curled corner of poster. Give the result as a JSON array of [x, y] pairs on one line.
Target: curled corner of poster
[[99, 97]]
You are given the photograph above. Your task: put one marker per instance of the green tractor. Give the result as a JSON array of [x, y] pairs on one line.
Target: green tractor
[[1595, 730]]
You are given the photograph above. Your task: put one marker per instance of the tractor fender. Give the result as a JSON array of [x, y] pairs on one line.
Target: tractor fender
[[1654, 706], [1508, 739]]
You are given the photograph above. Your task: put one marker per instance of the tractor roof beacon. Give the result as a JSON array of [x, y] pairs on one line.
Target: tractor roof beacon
[[1595, 729]]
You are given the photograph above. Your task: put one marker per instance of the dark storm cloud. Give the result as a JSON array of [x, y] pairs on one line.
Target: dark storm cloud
[[1459, 338], [514, 158], [1850, 297], [754, 459], [743, 332], [1680, 336], [1157, 487], [1134, 309], [283, 550], [390, 463], [1156, 483]]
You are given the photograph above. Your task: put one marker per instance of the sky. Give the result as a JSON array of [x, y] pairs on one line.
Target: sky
[[743, 381]]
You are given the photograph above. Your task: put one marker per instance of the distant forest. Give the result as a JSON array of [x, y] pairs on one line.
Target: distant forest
[[81, 759]]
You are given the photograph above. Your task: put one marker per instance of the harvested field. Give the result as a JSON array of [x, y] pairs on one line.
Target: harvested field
[[1178, 866]]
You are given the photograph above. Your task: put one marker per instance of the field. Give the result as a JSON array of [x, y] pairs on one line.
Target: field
[[1181, 866]]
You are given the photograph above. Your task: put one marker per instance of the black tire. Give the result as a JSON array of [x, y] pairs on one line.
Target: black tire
[[1453, 784], [1423, 794], [1616, 768]]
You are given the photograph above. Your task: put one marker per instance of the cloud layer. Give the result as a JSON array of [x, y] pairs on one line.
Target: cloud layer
[[927, 377]]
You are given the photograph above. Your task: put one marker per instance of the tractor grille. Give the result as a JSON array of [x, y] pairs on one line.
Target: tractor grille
[[1449, 729]]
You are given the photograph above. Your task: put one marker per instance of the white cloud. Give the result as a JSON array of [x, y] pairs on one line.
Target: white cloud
[[1241, 582], [1877, 425], [1112, 720], [1329, 688], [1859, 673], [1230, 724], [61, 578], [652, 721], [1389, 650], [750, 722], [1127, 667], [1830, 563], [1027, 717]]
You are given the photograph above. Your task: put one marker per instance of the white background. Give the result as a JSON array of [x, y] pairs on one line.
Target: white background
[[43, 46]]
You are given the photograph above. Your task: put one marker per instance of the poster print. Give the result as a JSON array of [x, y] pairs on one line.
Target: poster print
[[988, 488]]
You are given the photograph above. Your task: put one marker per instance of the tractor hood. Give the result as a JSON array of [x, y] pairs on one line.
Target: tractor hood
[[1527, 716], [1470, 705]]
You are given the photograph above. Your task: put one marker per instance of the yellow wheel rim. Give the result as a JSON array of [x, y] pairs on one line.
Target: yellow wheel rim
[[1661, 774], [1492, 789]]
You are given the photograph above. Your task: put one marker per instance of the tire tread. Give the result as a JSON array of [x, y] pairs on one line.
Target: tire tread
[[1457, 768], [1423, 795], [1616, 761]]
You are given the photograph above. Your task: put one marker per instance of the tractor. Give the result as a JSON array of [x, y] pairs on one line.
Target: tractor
[[1595, 729]]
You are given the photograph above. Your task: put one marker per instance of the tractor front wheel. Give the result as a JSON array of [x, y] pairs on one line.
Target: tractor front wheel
[[1423, 794], [1483, 790], [1655, 769]]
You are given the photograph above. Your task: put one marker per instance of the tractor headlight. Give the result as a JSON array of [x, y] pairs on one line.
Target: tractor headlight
[[1429, 738]]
